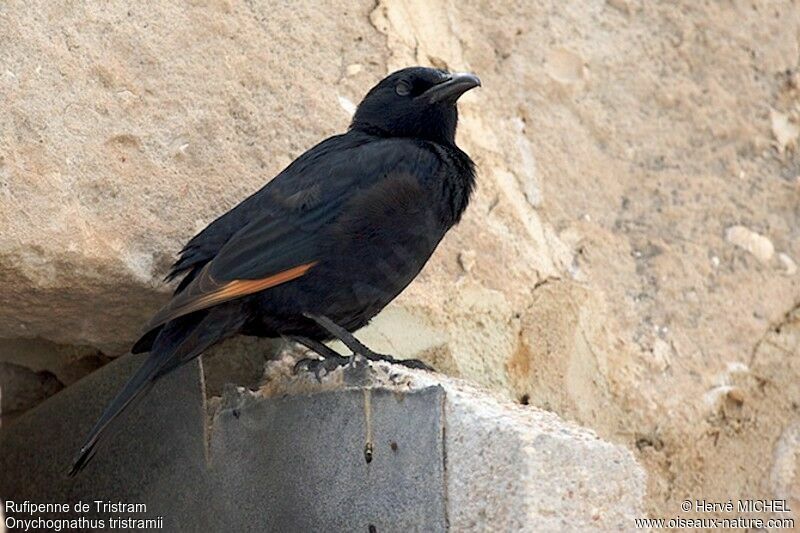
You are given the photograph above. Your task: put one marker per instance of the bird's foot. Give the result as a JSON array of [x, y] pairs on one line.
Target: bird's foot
[[357, 347], [356, 361], [321, 367], [409, 363], [330, 358]]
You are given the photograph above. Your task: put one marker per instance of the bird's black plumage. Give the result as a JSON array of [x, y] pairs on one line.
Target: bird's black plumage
[[338, 234]]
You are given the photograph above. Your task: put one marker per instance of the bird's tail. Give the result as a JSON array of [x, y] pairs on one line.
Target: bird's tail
[[179, 342], [135, 388]]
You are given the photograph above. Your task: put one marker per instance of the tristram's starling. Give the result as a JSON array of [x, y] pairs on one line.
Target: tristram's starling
[[324, 246]]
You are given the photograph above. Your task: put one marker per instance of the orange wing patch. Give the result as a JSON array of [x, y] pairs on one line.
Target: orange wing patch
[[204, 292], [243, 287]]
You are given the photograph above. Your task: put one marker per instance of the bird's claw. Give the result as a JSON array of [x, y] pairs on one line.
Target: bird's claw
[[322, 367], [415, 363], [318, 366], [408, 363], [357, 347], [357, 361]]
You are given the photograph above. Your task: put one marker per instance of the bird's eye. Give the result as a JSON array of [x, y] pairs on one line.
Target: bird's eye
[[403, 88]]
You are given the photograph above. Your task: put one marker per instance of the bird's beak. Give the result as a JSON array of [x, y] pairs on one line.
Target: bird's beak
[[451, 88]]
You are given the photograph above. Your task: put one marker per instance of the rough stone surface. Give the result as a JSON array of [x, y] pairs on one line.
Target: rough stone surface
[[522, 469], [127, 129], [369, 446], [617, 142], [22, 388]]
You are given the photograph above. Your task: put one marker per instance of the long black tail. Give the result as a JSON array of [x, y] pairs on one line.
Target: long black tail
[[179, 342]]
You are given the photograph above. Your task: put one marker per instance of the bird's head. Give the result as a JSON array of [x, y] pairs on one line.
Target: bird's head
[[415, 102]]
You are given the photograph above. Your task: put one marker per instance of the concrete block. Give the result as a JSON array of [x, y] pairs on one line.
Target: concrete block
[[157, 458], [374, 445], [339, 460], [507, 467], [512, 468]]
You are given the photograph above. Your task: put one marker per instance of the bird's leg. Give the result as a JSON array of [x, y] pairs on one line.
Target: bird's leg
[[324, 351], [331, 359], [357, 347]]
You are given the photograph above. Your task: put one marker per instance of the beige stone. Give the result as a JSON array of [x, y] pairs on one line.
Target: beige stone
[[784, 130], [758, 245], [126, 129], [788, 263]]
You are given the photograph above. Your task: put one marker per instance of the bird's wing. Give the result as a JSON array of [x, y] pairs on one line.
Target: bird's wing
[[284, 242], [265, 253], [204, 246]]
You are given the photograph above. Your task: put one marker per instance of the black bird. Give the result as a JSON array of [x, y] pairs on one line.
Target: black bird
[[325, 245]]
